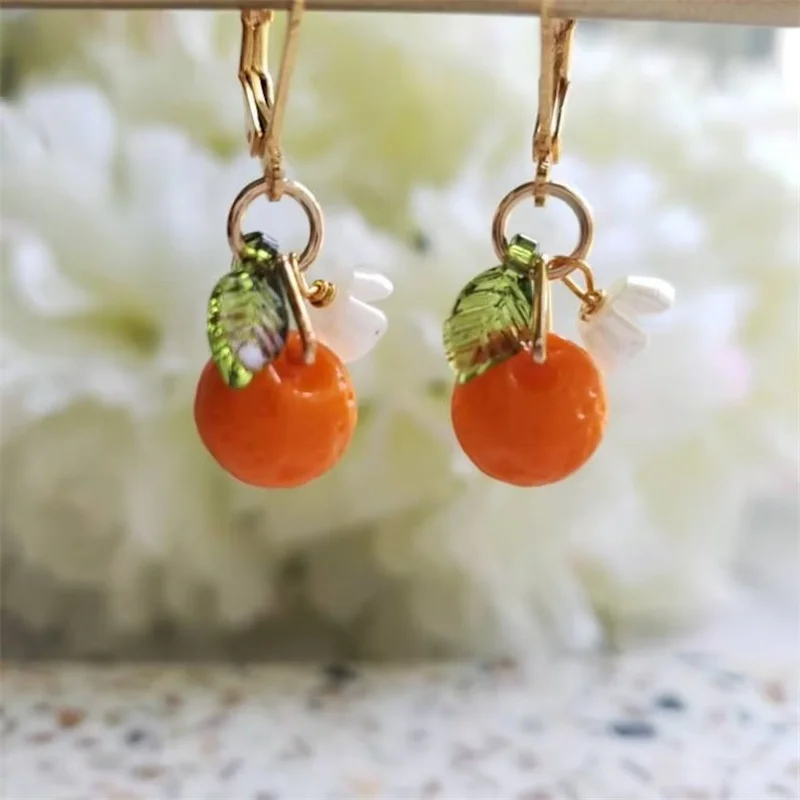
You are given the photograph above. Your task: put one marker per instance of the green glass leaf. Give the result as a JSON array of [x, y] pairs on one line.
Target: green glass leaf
[[491, 319], [248, 316]]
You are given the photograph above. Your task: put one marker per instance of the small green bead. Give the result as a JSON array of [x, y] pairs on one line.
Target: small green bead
[[523, 254]]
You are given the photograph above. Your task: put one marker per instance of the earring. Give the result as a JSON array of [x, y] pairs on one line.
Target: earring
[[275, 405], [529, 406]]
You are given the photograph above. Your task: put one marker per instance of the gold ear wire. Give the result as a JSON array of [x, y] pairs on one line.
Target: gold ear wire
[[272, 160], [266, 107], [556, 41], [254, 76]]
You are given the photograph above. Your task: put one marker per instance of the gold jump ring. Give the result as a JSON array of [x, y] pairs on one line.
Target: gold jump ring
[[560, 192], [299, 193]]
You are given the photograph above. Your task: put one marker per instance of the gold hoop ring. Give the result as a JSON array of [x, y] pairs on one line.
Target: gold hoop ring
[[299, 193], [560, 192]]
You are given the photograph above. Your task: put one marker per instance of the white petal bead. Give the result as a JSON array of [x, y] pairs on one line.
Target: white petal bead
[[610, 337], [370, 287], [350, 328], [634, 295]]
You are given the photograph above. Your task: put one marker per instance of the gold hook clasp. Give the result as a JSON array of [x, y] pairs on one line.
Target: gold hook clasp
[[266, 107], [556, 36], [254, 77]]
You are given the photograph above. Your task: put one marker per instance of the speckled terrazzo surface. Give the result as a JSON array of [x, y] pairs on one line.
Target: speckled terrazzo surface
[[678, 727]]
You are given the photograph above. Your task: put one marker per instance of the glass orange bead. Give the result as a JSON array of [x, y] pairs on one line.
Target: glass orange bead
[[288, 426], [531, 424]]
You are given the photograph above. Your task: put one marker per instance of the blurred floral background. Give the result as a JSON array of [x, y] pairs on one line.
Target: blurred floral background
[[122, 148]]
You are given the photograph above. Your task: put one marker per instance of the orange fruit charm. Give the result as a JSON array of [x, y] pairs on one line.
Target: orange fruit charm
[[291, 424], [531, 424]]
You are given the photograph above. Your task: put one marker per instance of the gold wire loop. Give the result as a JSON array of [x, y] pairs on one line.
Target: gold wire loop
[[299, 193], [561, 192], [320, 294], [591, 297], [556, 43]]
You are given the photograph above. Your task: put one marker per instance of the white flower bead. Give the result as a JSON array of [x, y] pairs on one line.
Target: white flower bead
[[349, 325], [611, 333], [370, 287]]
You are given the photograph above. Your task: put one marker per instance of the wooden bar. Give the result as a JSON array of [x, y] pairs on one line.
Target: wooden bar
[[781, 13]]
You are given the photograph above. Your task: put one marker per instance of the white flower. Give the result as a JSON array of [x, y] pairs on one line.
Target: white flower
[[112, 242], [114, 235], [350, 326], [610, 332]]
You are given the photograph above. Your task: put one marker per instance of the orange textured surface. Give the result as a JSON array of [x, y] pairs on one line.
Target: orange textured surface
[[289, 426], [531, 424]]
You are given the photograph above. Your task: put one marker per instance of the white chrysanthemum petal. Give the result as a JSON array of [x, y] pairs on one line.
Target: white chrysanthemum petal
[[39, 283], [74, 122], [21, 146]]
